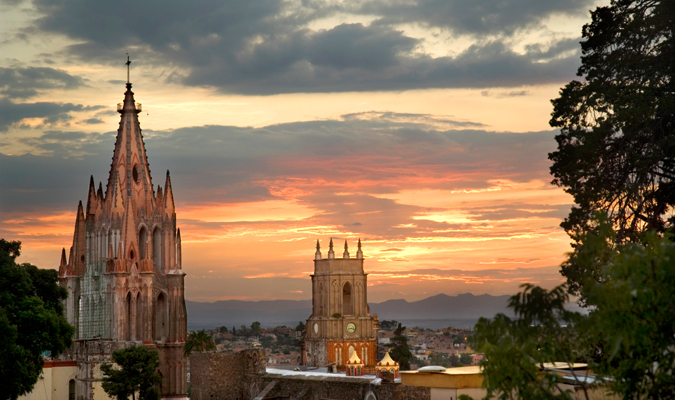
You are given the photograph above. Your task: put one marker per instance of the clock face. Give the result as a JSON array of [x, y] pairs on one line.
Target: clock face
[[351, 328]]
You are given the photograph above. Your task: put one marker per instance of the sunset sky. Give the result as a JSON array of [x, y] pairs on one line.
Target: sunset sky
[[420, 127]]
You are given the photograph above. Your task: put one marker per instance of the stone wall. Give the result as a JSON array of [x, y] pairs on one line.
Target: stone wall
[[235, 376], [225, 375]]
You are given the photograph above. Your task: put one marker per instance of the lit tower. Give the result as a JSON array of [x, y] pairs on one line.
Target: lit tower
[[124, 275], [340, 323]]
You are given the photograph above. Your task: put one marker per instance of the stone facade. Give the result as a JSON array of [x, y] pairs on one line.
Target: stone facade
[[236, 376], [340, 323], [124, 275]]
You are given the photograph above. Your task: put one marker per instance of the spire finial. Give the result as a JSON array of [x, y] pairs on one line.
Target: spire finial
[[359, 253], [346, 253], [128, 63], [317, 255], [331, 253]]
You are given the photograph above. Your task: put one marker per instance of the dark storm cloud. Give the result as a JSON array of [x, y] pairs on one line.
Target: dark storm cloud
[[266, 47], [477, 17], [230, 164], [22, 83], [50, 113]]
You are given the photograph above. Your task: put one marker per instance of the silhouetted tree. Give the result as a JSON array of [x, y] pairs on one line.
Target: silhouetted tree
[[31, 321], [399, 348], [616, 147], [255, 328]]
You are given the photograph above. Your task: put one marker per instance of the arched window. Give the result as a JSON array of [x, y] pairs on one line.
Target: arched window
[[129, 316], [139, 318], [142, 242], [157, 248], [347, 304], [160, 318], [71, 389]]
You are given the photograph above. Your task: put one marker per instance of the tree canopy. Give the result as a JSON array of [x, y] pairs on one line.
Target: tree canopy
[[627, 337], [399, 348], [616, 145], [255, 328], [135, 371], [199, 341], [615, 157], [31, 321]]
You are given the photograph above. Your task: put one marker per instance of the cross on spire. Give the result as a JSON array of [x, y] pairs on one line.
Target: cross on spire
[[128, 63]]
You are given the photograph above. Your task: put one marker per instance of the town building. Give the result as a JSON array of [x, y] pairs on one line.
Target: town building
[[124, 272], [340, 323], [56, 382]]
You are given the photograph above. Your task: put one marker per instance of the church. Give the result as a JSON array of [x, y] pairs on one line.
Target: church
[[123, 272], [340, 326]]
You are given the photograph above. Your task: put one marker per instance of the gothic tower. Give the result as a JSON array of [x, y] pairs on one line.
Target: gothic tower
[[123, 275], [340, 323]]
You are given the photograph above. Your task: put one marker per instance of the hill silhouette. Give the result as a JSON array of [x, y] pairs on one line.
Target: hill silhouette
[[433, 312]]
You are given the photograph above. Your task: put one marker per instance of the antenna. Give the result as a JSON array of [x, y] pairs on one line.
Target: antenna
[[128, 63]]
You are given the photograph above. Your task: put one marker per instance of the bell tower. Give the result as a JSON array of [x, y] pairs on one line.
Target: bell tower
[[340, 324]]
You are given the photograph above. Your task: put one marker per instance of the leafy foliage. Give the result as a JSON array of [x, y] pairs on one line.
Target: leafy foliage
[[198, 341], [627, 337], [515, 350], [137, 373], [635, 307], [31, 321], [615, 156], [617, 142]]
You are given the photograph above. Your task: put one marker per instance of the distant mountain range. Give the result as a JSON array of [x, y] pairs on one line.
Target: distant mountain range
[[438, 311]]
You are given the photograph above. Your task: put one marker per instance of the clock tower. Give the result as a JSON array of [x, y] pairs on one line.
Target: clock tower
[[340, 323]]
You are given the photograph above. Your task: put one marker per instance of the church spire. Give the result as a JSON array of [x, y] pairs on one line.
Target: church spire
[[79, 242], [359, 253], [169, 205], [92, 199], [130, 170], [331, 253], [346, 253], [63, 264], [317, 255]]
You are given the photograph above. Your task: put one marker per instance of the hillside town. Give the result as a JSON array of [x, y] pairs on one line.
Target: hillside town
[[447, 347]]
